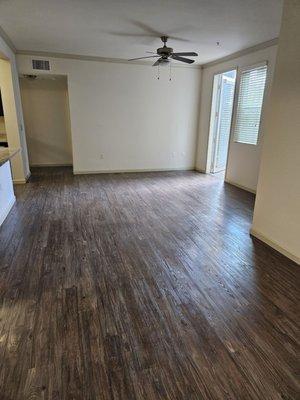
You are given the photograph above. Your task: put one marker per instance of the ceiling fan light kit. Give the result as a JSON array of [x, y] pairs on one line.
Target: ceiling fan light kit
[[166, 54]]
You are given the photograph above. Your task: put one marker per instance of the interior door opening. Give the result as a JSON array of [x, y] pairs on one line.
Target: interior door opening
[[220, 123], [45, 103]]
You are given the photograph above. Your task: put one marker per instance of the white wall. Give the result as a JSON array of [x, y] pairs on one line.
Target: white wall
[[277, 207], [46, 115], [243, 159], [9, 84], [123, 118]]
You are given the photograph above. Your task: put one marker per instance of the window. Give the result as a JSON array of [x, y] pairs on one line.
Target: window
[[250, 100]]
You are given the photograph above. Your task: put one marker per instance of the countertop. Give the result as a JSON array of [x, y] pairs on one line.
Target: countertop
[[6, 153]]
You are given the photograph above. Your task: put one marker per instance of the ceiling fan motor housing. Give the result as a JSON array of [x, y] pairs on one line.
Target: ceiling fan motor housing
[[165, 51]]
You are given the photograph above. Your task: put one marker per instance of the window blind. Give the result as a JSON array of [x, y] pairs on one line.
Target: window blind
[[250, 100]]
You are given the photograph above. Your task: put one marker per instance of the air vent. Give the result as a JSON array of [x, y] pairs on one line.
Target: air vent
[[41, 64]]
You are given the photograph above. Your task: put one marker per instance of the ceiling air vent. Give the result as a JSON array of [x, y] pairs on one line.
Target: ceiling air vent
[[41, 64]]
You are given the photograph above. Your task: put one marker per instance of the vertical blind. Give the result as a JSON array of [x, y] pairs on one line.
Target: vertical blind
[[250, 100]]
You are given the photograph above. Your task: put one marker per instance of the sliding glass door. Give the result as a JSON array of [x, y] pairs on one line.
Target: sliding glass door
[[221, 122]]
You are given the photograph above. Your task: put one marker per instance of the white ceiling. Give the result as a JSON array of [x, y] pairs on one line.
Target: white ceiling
[[119, 29]]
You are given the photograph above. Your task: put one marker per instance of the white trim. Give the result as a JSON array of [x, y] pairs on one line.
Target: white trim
[[232, 56], [241, 53], [7, 40], [22, 181], [202, 171], [120, 171], [275, 246], [240, 186], [5, 212], [19, 181], [46, 54]]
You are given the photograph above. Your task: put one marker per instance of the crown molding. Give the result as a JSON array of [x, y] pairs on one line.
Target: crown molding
[[71, 56], [7, 40], [95, 58], [243, 52]]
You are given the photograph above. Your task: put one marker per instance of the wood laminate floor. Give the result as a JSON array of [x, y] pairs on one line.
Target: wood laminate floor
[[142, 286]]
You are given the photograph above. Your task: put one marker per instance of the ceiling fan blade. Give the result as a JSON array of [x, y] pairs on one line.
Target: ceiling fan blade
[[146, 28], [179, 39], [126, 34], [140, 58], [185, 60], [149, 31], [157, 62], [188, 53]]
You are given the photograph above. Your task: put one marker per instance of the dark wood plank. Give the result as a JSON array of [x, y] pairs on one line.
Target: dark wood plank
[[142, 286]]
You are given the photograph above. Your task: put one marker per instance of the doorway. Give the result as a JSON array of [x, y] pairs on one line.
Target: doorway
[[221, 115], [47, 119]]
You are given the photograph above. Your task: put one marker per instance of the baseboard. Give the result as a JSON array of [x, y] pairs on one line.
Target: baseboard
[[274, 245], [240, 186], [200, 170], [4, 213], [22, 181], [19, 181], [120, 171]]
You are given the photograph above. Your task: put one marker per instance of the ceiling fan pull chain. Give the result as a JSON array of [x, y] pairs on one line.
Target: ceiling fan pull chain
[[158, 71], [170, 72]]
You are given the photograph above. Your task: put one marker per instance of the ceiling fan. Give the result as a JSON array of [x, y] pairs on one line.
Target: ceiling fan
[[165, 54]]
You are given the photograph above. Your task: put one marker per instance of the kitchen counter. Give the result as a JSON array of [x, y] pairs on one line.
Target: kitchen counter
[[7, 196], [6, 153]]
